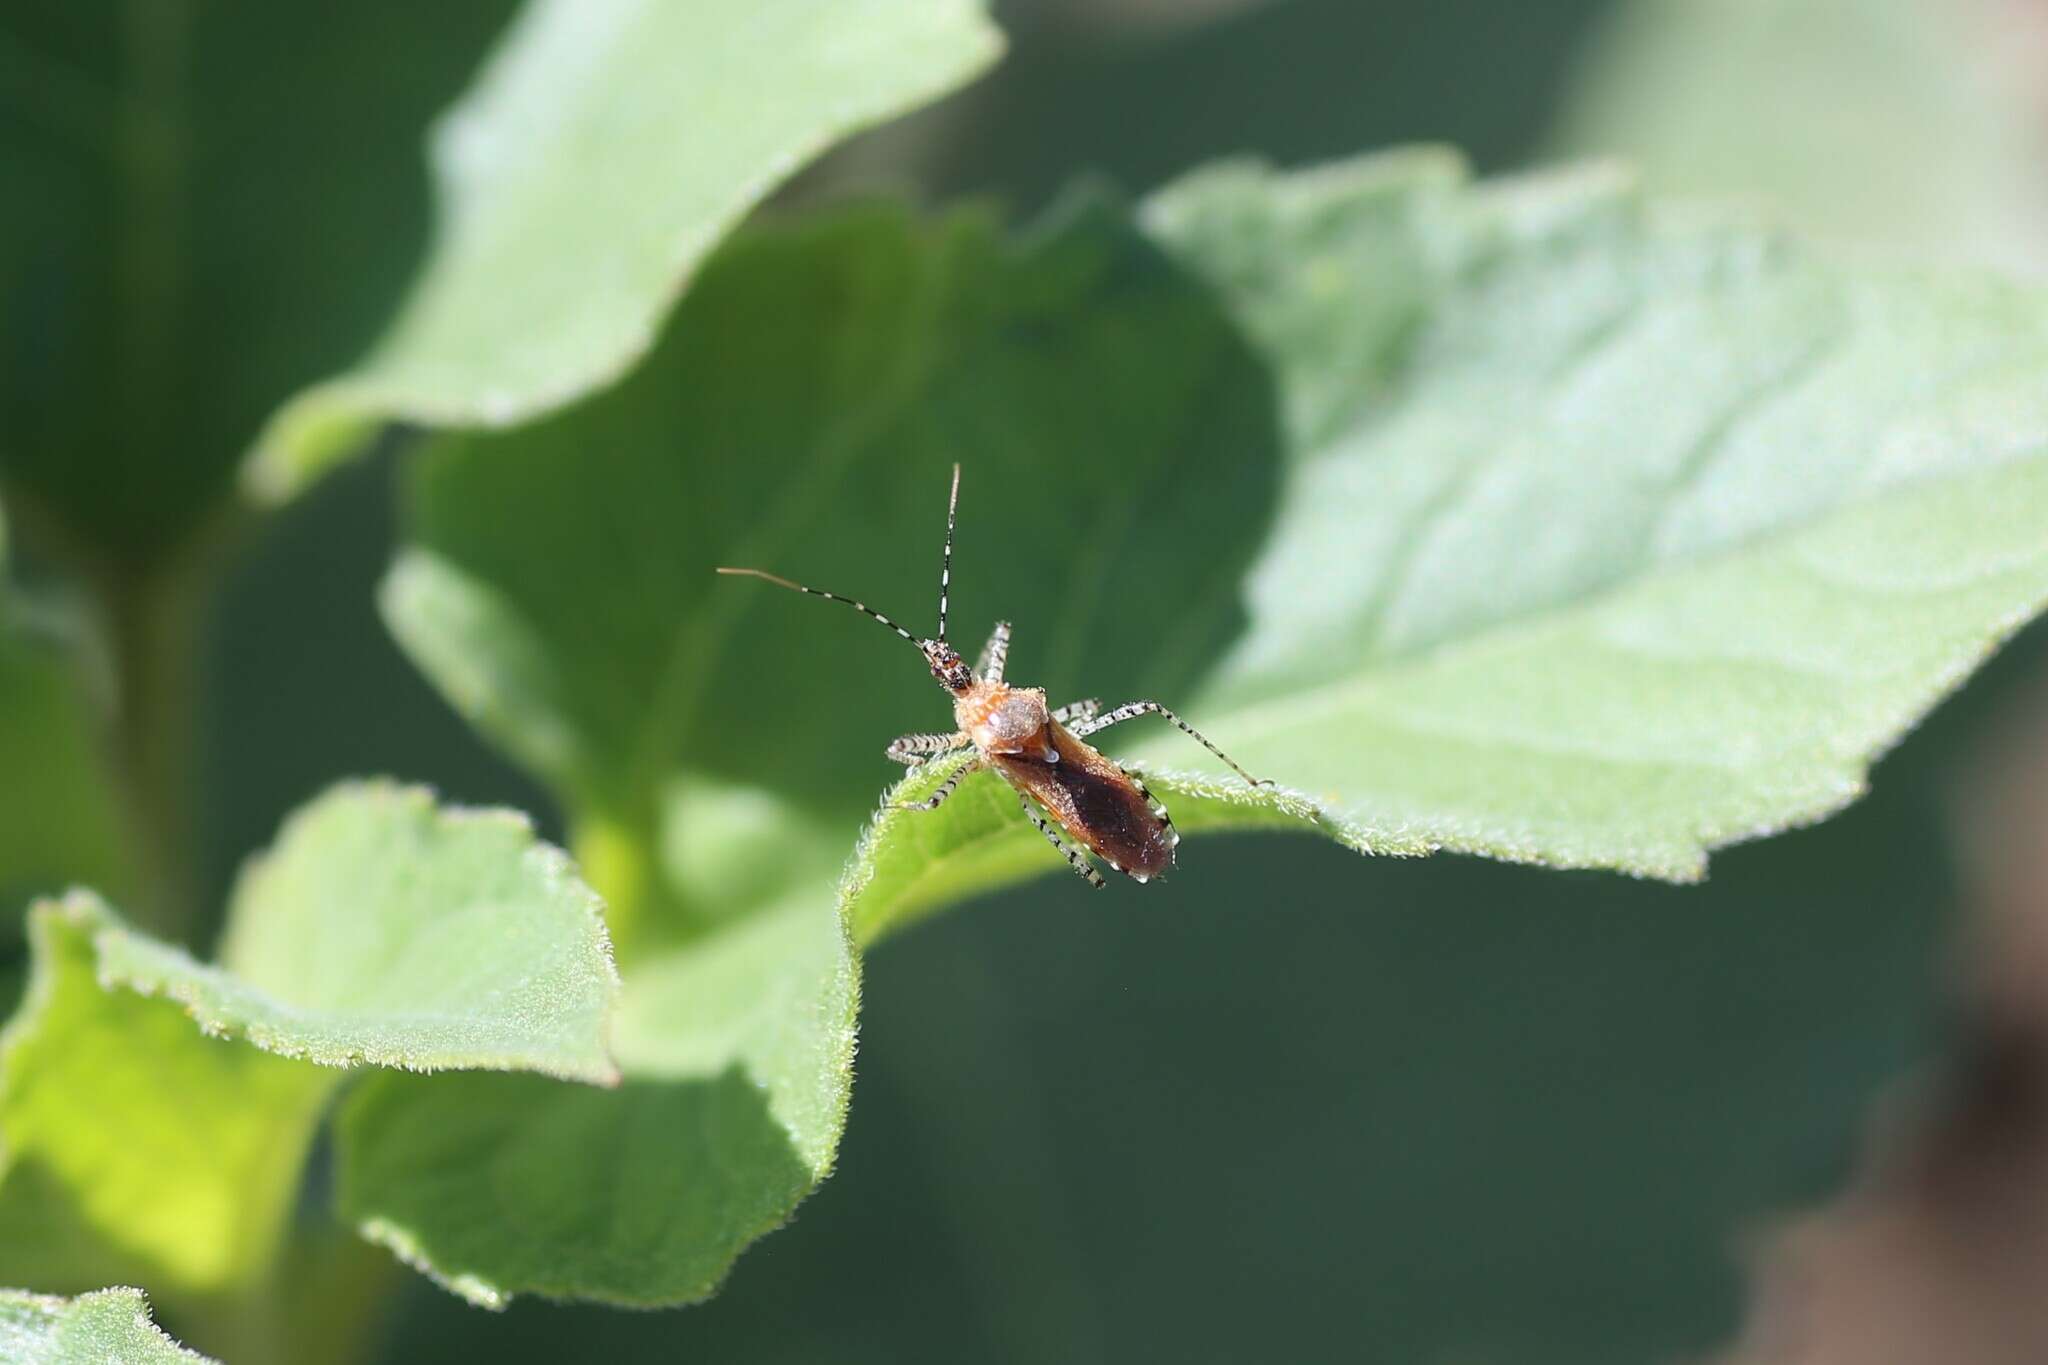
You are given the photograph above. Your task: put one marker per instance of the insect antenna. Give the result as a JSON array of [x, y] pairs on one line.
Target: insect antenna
[[860, 607], [946, 564]]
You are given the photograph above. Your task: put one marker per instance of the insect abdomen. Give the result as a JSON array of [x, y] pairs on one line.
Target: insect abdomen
[[1096, 802]]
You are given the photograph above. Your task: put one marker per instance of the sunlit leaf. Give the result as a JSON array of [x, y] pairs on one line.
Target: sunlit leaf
[[386, 930], [605, 149], [1636, 533], [105, 1327], [380, 929], [132, 1146]]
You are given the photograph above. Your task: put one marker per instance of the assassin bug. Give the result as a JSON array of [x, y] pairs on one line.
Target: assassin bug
[[1041, 752]]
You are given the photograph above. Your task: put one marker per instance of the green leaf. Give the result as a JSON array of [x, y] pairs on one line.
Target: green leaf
[[105, 1327], [1735, 597], [738, 1055], [379, 929], [174, 264], [133, 1147], [909, 864], [559, 586], [386, 930], [718, 743], [603, 152], [1906, 124], [1633, 532]]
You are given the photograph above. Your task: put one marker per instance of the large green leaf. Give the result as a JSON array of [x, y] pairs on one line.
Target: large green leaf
[[1644, 533], [105, 1327], [386, 930], [718, 743], [1615, 534], [1906, 124], [132, 1146], [191, 233], [605, 149]]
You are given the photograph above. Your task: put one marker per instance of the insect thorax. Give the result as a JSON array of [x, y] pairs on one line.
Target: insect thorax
[[1001, 719]]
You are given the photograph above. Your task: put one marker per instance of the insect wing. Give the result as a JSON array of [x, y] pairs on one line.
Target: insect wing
[[1096, 802]]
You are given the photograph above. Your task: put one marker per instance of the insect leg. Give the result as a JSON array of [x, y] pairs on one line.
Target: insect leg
[[938, 798], [1073, 857], [1077, 710], [916, 749], [994, 655], [1133, 709]]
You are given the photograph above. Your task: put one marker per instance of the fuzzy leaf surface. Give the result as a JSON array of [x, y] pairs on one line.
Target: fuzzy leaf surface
[[105, 1327], [383, 929], [1615, 532], [604, 150], [738, 1059]]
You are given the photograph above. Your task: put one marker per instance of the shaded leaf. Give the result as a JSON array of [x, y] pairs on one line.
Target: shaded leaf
[[133, 1147], [383, 929], [192, 233], [105, 1327], [604, 150], [717, 743]]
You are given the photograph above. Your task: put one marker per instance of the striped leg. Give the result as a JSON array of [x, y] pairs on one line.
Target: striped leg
[[1130, 710], [1074, 858], [995, 655], [938, 798], [1077, 710], [916, 749]]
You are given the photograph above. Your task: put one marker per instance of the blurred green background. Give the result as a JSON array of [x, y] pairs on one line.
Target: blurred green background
[[1296, 1105]]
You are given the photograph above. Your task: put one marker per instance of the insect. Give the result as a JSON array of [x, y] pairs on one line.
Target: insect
[[1041, 752]]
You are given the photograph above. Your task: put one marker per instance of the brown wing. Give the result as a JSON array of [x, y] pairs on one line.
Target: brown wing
[[1096, 802]]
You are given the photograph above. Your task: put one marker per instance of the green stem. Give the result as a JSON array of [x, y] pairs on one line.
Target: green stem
[[150, 621], [615, 856]]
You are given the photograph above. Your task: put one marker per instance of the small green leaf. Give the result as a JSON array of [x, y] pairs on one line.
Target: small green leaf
[[105, 1327], [718, 743], [738, 1058], [132, 1146], [604, 151], [383, 929]]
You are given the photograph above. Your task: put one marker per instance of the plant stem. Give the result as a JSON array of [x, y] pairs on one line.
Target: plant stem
[[150, 624]]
